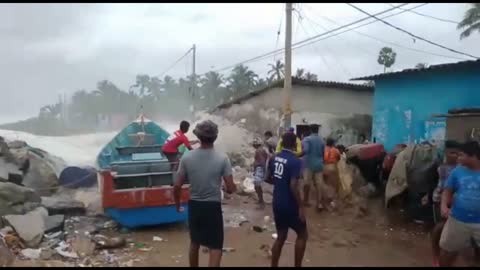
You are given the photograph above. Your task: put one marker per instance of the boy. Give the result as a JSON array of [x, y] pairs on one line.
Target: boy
[[170, 148], [444, 170], [288, 212], [259, 166], [462, 188]]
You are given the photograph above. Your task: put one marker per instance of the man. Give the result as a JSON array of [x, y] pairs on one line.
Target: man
[[204, 169], [462, 188], [313, 151], [444, 170], [259, 168], [270, 141], [288, 212], [298, 144], [170, 148]]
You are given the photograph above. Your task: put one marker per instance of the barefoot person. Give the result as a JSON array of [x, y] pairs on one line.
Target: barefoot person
[[462, 188], [204, 168], [313, 173], [288, 212], [170, 148], [259, 167], [444, 170]]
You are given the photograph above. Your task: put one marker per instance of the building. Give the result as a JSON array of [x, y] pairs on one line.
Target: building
[[343, 109], [405, 102]]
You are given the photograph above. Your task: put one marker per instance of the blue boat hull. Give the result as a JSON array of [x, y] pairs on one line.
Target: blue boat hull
[[148, 216]]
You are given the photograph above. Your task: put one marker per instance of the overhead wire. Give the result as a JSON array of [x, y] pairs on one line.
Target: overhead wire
[[429, 16], [175, 63], [409, 33], [389, 42], [311, 40], [278, 35]]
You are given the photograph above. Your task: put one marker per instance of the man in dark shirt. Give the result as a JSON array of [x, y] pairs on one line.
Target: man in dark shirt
[[284, 172]]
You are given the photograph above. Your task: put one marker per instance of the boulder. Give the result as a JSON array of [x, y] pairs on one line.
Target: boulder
[[41, 175], [60, 206], [29, 227], [17, 144], [17, 200], [54, 223]]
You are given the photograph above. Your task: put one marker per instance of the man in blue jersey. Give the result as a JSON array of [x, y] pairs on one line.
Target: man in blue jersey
[[283, 172], [462, 188]]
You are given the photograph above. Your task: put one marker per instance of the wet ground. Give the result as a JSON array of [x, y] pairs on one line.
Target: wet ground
[[346, 237]]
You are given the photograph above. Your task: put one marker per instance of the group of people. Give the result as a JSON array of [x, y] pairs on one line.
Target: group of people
[[456, 202]]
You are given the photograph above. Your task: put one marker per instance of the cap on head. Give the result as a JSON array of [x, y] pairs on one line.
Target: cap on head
[[291, 129], [206, 129]]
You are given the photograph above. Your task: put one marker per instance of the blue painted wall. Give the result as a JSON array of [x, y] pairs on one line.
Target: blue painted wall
[[404, 104]]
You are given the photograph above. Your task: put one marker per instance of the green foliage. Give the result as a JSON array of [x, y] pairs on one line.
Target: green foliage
[[471, 21], [386, 57]]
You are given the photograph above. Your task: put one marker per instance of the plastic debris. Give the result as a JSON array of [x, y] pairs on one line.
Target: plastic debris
[[275, 236], [228, 249], [31, 253], [157, 239]]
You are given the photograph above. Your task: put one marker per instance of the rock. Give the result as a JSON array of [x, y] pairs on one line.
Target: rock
[[6, 230], [16, 144], [29, 227], [83, 246], [103, 242], [41, 175], [59, 206], [6, 256], [340, 243], [257, 229], [31, 253], [12, 194], [54, 223]]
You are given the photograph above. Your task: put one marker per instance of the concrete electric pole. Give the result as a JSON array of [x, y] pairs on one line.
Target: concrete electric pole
[[287, 111]]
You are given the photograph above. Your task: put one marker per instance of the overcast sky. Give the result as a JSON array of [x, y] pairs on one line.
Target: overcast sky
[[48, 49]]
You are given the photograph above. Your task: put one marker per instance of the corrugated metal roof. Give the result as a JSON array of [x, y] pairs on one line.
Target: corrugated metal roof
[[297, 81], [472, 63]]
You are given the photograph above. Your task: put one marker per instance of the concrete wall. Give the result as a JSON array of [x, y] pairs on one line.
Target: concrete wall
[[404, 104], [339, 111], [460, 128]]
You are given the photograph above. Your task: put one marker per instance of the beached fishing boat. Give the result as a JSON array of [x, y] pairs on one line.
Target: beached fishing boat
[[135, 178]]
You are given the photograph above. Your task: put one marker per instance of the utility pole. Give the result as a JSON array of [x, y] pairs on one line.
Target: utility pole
[[287, 86], [194, 80]]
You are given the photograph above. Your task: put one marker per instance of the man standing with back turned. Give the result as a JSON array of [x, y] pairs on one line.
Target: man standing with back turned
[[204, 169]]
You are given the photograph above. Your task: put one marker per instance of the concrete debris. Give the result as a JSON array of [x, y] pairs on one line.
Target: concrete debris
[[104, 242], [83, 246], [60, 206], [46, 253], [31, 253], [13, 197], [29, 227], [54, 223], [6, 230], [6, 256]]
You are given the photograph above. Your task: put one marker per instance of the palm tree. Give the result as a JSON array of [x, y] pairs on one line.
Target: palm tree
[[300, 72], [241, 80], [310, 77], [169, 84], [386, 58], [210, 86], [142, 81], [154, 88], [277, 71], [471, 21]]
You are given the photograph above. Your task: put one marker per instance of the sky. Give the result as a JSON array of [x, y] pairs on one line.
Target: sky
[[52, 49]]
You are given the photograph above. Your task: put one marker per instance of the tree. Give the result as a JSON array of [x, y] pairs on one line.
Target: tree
[[300, 72], [142, 82], [211, 87], [310, 77], [421, 65], [386, 58], [277, 71], [471, 21], [241, 80]]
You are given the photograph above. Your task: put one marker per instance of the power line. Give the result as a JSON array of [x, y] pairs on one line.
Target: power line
[[392, 43], [263, 56], [176, 62], [429, 16], [278, 34], [413, 35]]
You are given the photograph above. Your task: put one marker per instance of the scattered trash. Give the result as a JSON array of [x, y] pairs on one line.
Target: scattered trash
[[65, 250], [53, 235], [228, 249], [103, 241], [111, 224], [145, 249], [83, 246], [257, 229], [139, 245], [31, 253], [275, 236], [157, 239]]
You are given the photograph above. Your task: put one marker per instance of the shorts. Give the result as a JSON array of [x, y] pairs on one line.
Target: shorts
[[457, 235], [285, 219], [205, 222], [172, 157], [258, 176]]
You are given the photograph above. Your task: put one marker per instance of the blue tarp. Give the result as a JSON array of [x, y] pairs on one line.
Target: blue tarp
[[75, 177]]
